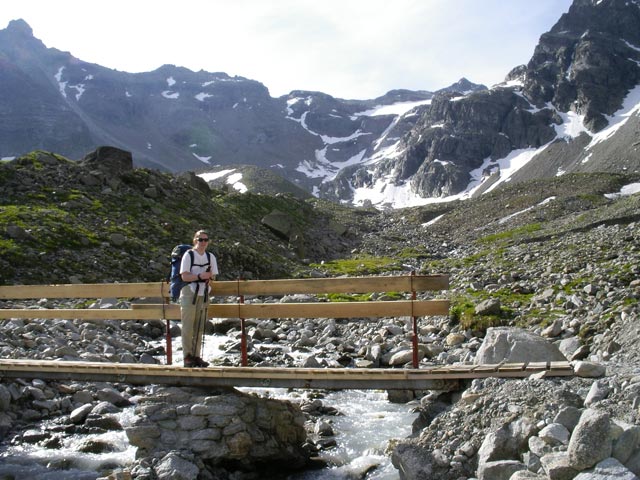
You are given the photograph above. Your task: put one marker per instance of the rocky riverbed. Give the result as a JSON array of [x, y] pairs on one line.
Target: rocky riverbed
[[578, 291]]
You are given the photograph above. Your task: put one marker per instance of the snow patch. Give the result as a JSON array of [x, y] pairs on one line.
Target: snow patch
[[399, 108], [170, 94], [630, 189], [630, 107], [509, 217], [233, 179], [202, 159], [431, 222]]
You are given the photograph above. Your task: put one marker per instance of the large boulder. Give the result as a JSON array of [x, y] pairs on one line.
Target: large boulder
[[514, 345]]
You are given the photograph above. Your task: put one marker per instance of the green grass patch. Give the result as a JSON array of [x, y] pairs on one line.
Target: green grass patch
[[363, 265], [509, 235]]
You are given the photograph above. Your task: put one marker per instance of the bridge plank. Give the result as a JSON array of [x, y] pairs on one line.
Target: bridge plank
[[398, 308], [405, 283]]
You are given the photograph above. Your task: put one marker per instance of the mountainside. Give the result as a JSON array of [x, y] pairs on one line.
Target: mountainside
[[573, 108], [174, 119]]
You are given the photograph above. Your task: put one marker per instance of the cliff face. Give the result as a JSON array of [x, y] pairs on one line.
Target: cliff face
[[580, 74]]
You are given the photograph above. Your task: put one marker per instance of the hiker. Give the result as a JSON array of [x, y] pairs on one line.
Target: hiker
[[198, 268]]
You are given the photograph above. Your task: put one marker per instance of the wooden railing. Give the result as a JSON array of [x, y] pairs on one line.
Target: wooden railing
[[166, 311]]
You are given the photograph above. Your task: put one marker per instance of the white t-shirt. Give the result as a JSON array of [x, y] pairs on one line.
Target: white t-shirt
[[196, 268]]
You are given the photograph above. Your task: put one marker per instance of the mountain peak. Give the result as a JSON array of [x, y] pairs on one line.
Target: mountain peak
[[19, 26]]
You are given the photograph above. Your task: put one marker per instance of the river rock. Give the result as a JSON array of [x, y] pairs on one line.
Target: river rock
[[174, 466]]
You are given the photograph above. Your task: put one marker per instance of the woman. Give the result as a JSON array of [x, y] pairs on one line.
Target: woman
[[198, 267]]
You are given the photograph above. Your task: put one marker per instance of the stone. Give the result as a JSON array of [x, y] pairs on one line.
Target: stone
[[526, 475], [454, 339], [626, 444], [590, 442], [554, 434], [599, 391], [111, 395], [568, 346], [80, 414], [513, 345], [499, 470], [553, 330], [556, 466], [588, 369], [568, 416], [490, 306], [506, 442], [633, 463], [174, 466], [607, 469]]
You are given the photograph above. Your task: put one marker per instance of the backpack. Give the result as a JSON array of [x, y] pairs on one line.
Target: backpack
[[175, 280]]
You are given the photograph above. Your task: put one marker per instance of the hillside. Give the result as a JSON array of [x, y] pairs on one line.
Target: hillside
[[101, 220], [84, 218]]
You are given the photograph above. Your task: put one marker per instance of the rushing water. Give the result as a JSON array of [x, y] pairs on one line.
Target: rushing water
[[363, 431], [66, 462]]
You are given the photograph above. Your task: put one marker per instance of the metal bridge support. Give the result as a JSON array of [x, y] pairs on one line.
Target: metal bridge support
[[415, 326]]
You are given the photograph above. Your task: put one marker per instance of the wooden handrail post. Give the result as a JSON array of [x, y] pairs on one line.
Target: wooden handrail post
[[415, 324], [243, 333], [169, 347]]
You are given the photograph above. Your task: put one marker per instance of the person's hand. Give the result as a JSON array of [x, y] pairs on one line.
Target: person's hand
[[205, 276]]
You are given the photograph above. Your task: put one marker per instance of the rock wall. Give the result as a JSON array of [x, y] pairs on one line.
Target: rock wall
[[205, 430]]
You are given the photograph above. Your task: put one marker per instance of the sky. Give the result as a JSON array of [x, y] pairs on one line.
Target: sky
[[350, 49]]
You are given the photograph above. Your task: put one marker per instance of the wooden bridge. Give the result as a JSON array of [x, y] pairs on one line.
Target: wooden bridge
[[432, 377], [425, 378]]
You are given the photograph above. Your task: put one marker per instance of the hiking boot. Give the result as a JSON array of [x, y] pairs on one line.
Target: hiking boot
[[200, 363], [189, 361]]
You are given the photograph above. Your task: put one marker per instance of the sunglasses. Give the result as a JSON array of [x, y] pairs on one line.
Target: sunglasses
[[202, 239]]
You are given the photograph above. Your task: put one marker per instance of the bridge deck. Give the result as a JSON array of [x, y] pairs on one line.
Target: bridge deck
[[425, 378]]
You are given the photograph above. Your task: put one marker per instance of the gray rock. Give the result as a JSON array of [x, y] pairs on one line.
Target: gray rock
[[569, 417], [633, 463], [80, 414], [607, 469], [490, 306], [526, 475], [588, 369], [590, 442], [499, 470], [506, 442], [514, 345], [111, 395], [554, 434], [175, 467], [626, 444], [568, 346], [599, 391], [556, 466]]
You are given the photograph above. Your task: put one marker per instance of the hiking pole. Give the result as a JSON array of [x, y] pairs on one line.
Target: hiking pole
[[200, 330]]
